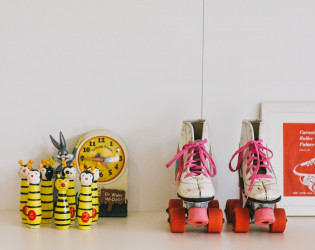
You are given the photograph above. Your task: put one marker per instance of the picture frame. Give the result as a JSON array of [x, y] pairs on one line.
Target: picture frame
[[290, 134]]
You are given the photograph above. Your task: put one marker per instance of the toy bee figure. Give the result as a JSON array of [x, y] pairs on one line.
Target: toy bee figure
[[62, 212], [85, 199], [34, 206], [24, 170], [71, 172], [46, 191]]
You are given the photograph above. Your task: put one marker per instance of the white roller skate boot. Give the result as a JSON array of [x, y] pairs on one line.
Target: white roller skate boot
[[194, 170], [259, 191]]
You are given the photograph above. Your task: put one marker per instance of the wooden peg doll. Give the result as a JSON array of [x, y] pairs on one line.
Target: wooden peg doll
[[85, 199], [46, 191], [34, 206], [62, 212], [23, 172]]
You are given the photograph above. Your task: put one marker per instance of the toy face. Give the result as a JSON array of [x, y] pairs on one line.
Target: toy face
[[24, 172], [63, 156], [86, 178], [96, 174], [47, 173], [71, 171], [34, 177], [62, 184]]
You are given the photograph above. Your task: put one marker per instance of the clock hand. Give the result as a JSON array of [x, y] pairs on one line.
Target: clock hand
[[105, 164], [111, 159], [94, 158], [100, 159]]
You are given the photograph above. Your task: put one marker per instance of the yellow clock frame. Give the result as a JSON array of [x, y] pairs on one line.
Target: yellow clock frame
[[108, 148]]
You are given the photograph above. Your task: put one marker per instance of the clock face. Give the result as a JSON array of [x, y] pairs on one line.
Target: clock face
[[105, 150]]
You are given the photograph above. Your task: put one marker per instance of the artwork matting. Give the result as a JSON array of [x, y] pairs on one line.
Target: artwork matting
[[290, 134]]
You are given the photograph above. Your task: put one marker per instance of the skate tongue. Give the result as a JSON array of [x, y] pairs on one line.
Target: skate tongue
[[196, 157], [261, 170]]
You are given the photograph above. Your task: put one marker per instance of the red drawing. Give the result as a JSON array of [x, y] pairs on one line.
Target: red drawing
[[299, 159]]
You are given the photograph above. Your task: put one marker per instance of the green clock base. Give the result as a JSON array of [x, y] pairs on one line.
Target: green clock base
[[118, 210]]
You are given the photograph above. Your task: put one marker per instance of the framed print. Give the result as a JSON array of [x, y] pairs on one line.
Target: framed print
[[290, 134]]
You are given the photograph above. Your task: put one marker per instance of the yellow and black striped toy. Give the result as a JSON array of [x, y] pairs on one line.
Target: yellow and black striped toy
[[95, 203], [62, 212], [71, 172], [34, 207], [46, 191], [24, 170], [85, 199]]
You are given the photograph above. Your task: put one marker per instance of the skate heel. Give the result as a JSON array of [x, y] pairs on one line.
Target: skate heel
[[197, 216], [264, 216]]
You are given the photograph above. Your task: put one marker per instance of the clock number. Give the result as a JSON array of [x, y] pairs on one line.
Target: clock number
[[86, 149], [110, 172], [92, 143], [111, 143], [82, 157], [101, 174], [116, 166], [101, 140], [120, 158]]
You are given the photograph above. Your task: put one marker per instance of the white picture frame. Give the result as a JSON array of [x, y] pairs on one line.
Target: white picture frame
[[274, 116]]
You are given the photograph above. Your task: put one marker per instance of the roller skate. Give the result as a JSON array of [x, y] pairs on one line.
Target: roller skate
[[306, 172], [194, 169], [259, 191]]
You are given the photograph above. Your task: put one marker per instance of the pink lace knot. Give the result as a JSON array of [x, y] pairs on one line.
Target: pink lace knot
[[256, 159], [196, 161]]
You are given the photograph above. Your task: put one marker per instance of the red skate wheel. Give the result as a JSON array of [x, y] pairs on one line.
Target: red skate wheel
[[198, 216], [241, 220], [178, 220], [215, 220], [229, 208], [264, 216], [281, 221], [175, 203], [213, 204]]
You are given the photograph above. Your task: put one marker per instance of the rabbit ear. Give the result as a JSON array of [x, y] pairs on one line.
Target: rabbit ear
[[62, 140], [56, 144]]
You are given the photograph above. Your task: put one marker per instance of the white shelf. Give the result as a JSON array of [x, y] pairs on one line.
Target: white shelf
[[150, 230]]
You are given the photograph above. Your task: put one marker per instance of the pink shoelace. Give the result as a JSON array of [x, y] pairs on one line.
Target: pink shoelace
[[194, 149], [256, 159]]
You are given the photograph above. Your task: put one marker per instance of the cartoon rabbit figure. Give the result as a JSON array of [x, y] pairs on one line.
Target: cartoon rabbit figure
[[95, 203], [71, 172], [24, 170], [62, 212], [85, 199], [34, 208], [63, 154], [46, 191]]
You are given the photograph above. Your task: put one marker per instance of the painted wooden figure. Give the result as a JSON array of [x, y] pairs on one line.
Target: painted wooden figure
[[85, 199], [63, 155], [95, 204], [24, 170], [71, 172], [62, 212], [46, 191], [34, 206]]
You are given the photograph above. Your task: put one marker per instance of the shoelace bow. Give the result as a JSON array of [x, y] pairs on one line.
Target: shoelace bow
[[256, 159], [194, 148]]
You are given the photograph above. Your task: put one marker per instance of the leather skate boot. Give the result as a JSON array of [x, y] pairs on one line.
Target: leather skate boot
[[195, 166], [194, 169], [259, 191]]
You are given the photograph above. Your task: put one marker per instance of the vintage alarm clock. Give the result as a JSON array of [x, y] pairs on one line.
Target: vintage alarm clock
[[109, 150]]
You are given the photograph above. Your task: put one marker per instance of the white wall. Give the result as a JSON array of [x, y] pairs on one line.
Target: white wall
[[134, 67]]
